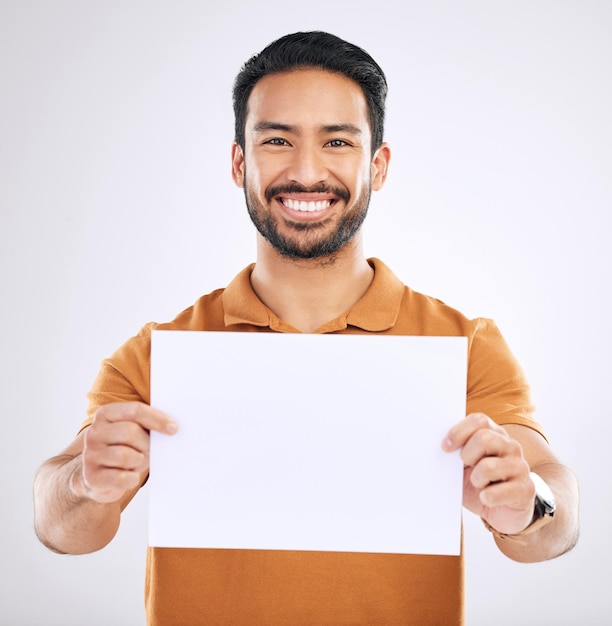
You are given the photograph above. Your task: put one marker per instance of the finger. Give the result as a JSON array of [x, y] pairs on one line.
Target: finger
[[109, 484], [99, 457], [495, 470], [123, 457], [518, 494], [104, 433], [460, 433], [142, 414], [489, 443], [108, 470]]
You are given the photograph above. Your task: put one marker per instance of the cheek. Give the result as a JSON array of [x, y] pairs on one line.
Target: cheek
[[252, 183], [347, 172], [259, 175], [360, 177]]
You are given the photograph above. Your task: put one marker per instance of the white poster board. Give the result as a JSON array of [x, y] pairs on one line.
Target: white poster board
[[307, 442]]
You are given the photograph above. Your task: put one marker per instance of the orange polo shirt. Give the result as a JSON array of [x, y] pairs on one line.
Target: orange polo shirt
[[188, 587]]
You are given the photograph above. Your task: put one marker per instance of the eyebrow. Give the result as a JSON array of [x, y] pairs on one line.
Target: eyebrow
[[326, 128]]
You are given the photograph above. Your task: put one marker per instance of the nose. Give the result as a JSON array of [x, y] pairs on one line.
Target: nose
[[307, 166]]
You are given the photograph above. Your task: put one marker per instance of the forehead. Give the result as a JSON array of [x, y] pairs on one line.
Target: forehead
[[307, 97]]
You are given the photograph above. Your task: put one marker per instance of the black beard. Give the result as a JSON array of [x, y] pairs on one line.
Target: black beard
[[313, 248]]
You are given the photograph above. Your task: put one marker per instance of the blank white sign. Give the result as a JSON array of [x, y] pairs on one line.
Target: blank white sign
[[307, 442]]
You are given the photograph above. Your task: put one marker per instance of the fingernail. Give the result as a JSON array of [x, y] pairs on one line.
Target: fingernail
[[447, 444], [171, 427]]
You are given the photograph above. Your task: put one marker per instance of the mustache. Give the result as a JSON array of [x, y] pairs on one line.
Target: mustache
[[280, 190]]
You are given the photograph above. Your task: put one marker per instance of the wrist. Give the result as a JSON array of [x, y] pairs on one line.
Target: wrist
[[543, 511]]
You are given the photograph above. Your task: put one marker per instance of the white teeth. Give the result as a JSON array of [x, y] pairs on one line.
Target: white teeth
[[308, 207]]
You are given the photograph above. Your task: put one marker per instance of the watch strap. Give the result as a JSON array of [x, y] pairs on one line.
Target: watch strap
[[535, 525]]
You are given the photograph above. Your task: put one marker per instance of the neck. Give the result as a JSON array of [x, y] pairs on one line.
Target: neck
[[308, 293]]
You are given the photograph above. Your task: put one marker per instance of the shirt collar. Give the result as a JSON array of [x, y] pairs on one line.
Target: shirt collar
[[379, 306], [376, 311]]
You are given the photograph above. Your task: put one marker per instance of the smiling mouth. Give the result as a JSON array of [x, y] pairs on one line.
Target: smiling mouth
[[306, 207]]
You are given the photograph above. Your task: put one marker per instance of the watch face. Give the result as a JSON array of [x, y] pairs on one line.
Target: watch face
[[544, 493]]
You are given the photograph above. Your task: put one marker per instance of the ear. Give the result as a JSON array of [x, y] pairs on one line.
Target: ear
[[237, 165], [380, 166]]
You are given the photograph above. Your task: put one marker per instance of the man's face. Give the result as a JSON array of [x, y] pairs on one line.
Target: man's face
[[307, 168]]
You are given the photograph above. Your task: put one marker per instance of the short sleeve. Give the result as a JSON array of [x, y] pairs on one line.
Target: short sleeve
[[123, 377], [497, 384]]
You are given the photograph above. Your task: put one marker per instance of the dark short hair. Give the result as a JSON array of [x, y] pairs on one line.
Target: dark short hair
[[314, 49]]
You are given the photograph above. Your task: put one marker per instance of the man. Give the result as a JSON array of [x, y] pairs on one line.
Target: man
[[308, 152]]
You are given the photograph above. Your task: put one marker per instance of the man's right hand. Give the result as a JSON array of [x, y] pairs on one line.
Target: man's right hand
[[116, 446]]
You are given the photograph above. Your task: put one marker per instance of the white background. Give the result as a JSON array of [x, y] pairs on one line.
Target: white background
[[117, 208]]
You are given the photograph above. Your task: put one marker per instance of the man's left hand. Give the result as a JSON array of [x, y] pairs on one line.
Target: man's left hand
[[496, 482]]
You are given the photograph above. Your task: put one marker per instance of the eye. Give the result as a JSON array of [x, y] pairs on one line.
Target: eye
[[276, 141], [337, 143]]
